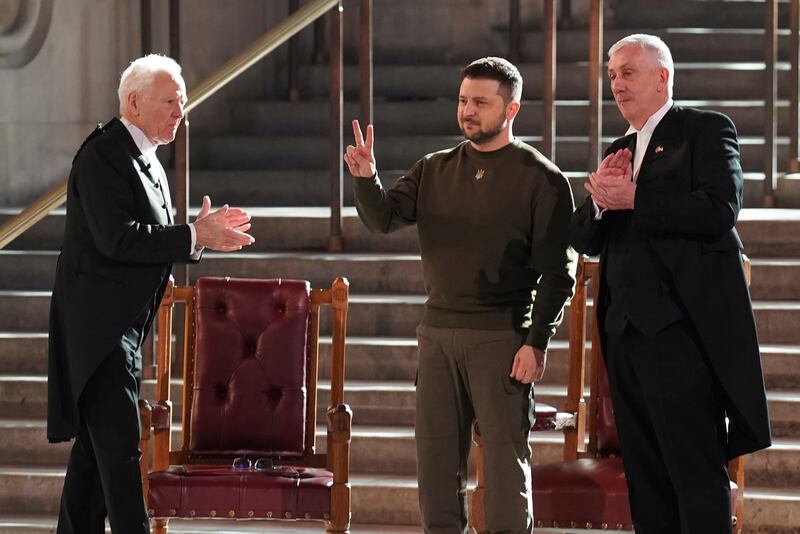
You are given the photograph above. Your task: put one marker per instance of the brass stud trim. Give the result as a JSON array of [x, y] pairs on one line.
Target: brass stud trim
[[326, 516], [269, 514], [288, 515], [231, 513], [173, 511], [250, 513], [307, 515], [213, 513], [192, 513], [604, 526], [588, 525]]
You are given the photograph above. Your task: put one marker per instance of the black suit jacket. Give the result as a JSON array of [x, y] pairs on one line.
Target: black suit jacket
[[115, 261], [688, 197]]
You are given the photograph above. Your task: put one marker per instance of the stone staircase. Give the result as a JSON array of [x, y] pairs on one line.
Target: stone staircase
[[385, 307], [274, 159]]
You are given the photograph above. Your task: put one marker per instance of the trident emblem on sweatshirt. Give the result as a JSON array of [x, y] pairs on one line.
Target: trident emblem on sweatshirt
[[479, 174]]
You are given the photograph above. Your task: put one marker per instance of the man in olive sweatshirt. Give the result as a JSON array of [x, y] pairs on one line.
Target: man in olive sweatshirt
[[492, 216]]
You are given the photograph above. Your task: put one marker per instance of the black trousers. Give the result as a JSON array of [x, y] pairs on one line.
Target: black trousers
[[103, 477], [671, 422]]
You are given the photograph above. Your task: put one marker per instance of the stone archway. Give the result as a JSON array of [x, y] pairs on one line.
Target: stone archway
[[23, 26]]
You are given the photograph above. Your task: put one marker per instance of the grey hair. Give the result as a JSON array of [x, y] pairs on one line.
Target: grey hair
[[652, 44], [140, 73]]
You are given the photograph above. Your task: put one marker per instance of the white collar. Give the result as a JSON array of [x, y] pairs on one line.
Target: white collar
[[145, 146], [653, 121]]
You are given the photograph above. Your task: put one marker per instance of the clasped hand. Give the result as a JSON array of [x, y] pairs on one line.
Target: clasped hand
[[611, 186], [223, 229]]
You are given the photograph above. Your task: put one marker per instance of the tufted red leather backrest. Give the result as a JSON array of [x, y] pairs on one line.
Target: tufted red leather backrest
[[607, 438], [250, 369]]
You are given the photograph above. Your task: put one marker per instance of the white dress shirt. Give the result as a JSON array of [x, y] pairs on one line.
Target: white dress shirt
[[643, 137], [148, 150]]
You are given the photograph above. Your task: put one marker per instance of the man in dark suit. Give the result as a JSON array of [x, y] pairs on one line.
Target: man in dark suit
[[119, 245], [677, 325]]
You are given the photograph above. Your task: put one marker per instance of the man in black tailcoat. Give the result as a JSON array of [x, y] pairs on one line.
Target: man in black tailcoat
[[674, 311], [119, 244]]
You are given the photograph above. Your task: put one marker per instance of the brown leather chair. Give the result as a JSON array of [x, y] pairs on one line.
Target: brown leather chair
[[587, 489], [249, 392]]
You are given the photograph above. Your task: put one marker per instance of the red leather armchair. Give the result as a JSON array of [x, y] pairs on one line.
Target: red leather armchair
[[250, 395], [587, 489]]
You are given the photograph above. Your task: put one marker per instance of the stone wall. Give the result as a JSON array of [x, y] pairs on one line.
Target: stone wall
[[47, 104]]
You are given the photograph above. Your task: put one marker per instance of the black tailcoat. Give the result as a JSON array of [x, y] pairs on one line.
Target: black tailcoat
[[688, 197], [118, 249]]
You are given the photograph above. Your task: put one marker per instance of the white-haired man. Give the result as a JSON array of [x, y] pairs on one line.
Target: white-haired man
[[119, 245], [677, 326]]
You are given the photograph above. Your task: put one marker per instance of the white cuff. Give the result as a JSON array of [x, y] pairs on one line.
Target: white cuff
[[598, 211], [194, 252]]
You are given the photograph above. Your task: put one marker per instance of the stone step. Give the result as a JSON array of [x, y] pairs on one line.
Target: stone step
[[290, 189], [376, 450], [399, 273], [374, 402], [367, 272], [392, 316], [743, 37], [276, 229], [765, 233], [257, 152], [712, 13], [382, 358], [705, 44], [391, 449], [373, 450], [378, 499], [437, 117], [381, 499], [693, 80], [38, 524]]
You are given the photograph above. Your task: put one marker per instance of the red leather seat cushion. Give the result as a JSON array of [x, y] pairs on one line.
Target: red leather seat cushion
[[582, 492], [221, 491], [250, 366], [545, 417]]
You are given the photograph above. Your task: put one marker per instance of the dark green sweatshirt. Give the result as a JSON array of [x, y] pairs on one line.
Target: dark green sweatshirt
[[493, 233]]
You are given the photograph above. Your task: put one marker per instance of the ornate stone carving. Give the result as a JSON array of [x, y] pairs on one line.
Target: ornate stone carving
[[23, 26]]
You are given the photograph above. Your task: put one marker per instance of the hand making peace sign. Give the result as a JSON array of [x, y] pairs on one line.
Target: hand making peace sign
[[360, 159]]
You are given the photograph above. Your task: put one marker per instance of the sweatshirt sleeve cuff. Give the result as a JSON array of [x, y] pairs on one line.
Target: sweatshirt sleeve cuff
[[538, 340]]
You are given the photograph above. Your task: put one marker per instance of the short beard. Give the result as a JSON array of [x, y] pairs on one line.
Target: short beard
[[485, 136]]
